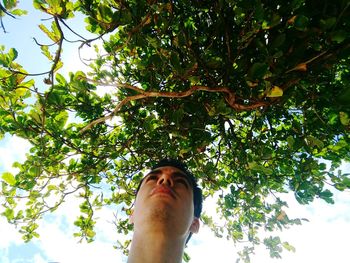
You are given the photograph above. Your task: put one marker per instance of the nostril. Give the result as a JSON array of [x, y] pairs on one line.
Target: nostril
[[165, 181], [169, 182], [160, 181]]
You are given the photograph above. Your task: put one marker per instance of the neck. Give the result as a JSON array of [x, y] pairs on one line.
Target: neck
[[156, 248]]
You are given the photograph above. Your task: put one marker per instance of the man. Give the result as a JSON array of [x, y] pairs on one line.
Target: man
[[167, 209]]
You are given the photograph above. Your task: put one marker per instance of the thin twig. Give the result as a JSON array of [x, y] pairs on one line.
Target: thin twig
[[306, 62], [44, 45], [29, 74], [70, 29]]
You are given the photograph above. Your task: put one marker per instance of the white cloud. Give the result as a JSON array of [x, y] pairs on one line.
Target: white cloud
[[314, 242], [321, 240], [11, 234], [206, 248], [12, 148], [59, 245]]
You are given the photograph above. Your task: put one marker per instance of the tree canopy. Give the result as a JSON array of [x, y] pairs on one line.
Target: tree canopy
[[253, 95]]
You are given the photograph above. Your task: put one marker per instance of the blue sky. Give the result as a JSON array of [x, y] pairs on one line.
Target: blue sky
[[324, 239]]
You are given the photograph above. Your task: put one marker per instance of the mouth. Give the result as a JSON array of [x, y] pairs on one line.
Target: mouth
[[163, 191]]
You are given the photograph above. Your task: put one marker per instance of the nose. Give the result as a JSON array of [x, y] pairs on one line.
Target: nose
[[165, 180]]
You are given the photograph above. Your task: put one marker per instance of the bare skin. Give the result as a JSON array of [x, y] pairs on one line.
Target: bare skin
[[163, 217]]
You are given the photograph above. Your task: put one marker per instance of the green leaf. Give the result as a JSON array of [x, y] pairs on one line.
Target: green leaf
[[79, 75], [344, 97], [278, 41], [266, 170], [52, 187], [9, 214], [19, 12], [20, 92], [327, 196], [297, 3], [58, 65], [28, 84], [34, 171], [178, 116], [259, 168], [290, 141], [55, 7], [258, 71], [186, 257], [55, 31], [344, 118], [60, 79], [313, 141], [328, 23], [4, 61], [9, 4], [90, 233], [346, 182], [301, 22], [9, 178], [12, 54], [288, 246], [46, 52], [323, 166], [104, 13], [339, 36], [51, 35]]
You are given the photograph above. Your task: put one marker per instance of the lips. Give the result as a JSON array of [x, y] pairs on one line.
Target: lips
[[163, 190]]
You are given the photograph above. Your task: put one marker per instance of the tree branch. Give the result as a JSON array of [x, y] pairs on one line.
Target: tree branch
[[230, 98]]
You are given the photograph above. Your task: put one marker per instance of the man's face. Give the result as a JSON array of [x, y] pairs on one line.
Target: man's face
[[165, 203]]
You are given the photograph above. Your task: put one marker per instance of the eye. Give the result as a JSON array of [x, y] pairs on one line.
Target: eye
[[182, 181], [152, 177]]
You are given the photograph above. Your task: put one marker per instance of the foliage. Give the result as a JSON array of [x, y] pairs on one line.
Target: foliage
[[253, 95], [8, 7]]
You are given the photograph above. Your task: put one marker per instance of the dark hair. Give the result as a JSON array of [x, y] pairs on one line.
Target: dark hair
[[197, 192]]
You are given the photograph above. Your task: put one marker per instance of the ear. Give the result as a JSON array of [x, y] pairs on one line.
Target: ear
[[194, 228]]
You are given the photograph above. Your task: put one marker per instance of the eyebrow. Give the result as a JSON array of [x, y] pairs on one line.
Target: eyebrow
[[173, 174]]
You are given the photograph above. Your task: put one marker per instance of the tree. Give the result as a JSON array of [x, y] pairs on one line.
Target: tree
[[253, 95]]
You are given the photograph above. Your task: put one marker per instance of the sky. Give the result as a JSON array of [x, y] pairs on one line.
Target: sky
[[324, 238]]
